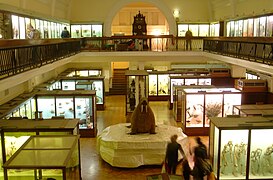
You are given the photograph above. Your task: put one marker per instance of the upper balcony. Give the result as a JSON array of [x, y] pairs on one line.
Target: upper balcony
[[21, 55]]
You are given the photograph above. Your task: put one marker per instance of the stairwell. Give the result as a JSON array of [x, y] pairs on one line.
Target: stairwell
[[118, 82]]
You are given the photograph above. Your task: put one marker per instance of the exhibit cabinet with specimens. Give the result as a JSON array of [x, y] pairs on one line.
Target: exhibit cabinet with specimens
[[137, 87], [241, 147], [95, 83], [70, 104], [46, 157], [14, 133], [195, 107], [159, 84], [176, 80]]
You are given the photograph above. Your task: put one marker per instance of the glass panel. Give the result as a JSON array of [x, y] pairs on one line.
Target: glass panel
[[22, 110], [213, 106], [256, 27], [28, 109], [68, 85], [233, 154], [236, 28], [15, 26], [214, 30], [46, 33], [191, 82], [250, 28], [96, 30], [245, 28], [82, 73], [182, 28], [84, 112], [98, 87], [163, 84], [22, 28], [206, 81], [229, 101], [203, 30], [86, 30], [261, 154], [47, 106], [65, 107], [16, 113], [232, 29], [240, 28], [175, 82], [94, 72], [153, 85], [33, 108], [228, 29], [194, 30], [194, 110], [262, 26], [75, 31], [269, 26], [215, 150]]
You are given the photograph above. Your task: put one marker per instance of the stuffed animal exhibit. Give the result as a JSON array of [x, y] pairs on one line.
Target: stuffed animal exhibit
[[143, 119]]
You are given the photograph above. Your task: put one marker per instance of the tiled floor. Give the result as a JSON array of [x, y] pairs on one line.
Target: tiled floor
[[94, 168]]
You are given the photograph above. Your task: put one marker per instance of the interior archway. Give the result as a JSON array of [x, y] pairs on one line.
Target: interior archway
[[123, 20], [156, 4]]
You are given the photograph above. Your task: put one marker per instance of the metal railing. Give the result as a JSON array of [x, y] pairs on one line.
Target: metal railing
[[19, 58], [252, 49]]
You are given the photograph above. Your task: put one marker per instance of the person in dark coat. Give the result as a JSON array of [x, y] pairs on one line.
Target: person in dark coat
[[65, 33], [200, 150], [172, 154]]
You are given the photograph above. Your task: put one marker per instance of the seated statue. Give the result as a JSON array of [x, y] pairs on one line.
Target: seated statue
[[143, 119]]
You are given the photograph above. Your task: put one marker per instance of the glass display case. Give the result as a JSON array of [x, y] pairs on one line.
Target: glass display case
[[253, 109], [83, 72], [197, 105], [185, 81], [68, 104], [238, 149], [159, 84], [46, 157], [82, 83], [14, 133], [134, 79]]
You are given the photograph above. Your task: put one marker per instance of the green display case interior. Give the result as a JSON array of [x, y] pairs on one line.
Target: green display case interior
[[238, 148], [42, 157], [14, 133]]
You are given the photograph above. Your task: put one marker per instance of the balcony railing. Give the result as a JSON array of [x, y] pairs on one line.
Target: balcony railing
[[257, 49], [17, 56]]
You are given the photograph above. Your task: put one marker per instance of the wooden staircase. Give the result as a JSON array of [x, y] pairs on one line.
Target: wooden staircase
[[118, 82]]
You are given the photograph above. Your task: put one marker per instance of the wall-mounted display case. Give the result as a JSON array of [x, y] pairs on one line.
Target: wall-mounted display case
[[195, 107], [137, 87], [82, 83], [14, 133], [75, 104], [251, 85], [159, 84], [240, 148], [83, 72], [46, 157]]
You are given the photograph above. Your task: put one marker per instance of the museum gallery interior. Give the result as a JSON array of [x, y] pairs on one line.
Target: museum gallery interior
[[104, 102]]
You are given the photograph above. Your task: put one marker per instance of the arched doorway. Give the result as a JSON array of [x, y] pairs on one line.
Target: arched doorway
[[123, 20], [156, 4]]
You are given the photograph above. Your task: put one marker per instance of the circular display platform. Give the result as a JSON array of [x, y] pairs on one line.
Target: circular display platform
[[120, 149]]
